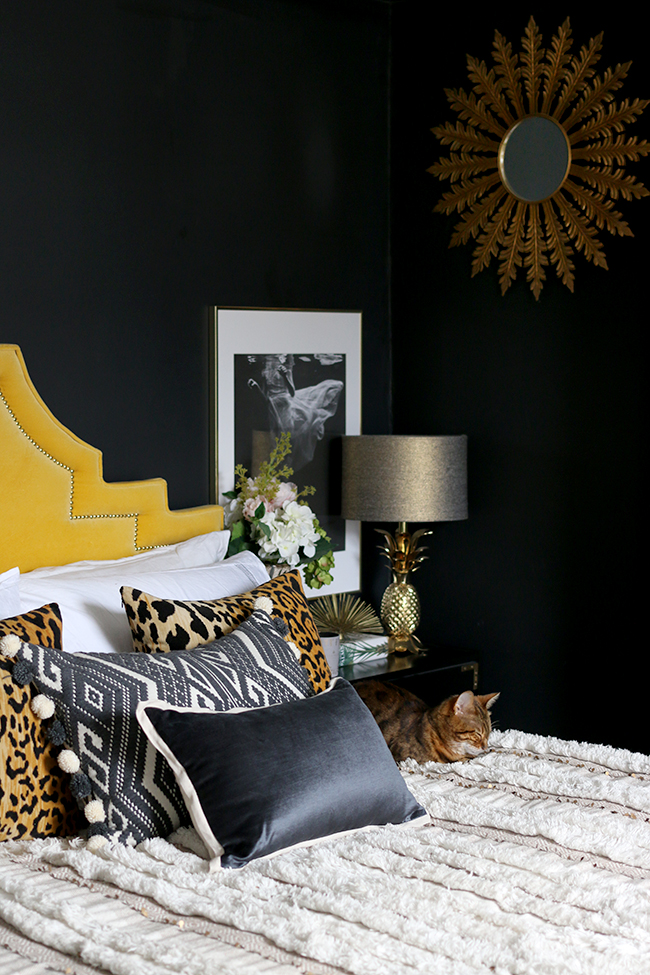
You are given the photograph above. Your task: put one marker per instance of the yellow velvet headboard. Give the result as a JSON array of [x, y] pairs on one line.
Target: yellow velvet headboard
[[55, 506]]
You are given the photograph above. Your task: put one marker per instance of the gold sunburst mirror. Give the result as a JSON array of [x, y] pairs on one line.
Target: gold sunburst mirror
[[538, 157]]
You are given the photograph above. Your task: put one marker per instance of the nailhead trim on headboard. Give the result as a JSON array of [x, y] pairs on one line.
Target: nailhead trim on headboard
[[73, 516]]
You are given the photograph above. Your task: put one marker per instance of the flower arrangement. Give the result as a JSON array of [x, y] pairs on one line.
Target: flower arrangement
[[266, 515]]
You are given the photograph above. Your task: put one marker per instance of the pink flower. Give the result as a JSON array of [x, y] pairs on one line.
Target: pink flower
[[286, 492], [251, 506]]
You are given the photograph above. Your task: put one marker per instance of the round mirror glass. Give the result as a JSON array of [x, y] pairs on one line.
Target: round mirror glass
[[534, 158]]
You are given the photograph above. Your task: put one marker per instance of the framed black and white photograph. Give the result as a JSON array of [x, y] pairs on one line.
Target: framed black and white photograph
[[290, 371]]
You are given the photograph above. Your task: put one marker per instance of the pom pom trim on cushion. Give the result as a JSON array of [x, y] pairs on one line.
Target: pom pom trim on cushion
[[98, 829], [80, 785], [22, 673], [42, 706], [56, 733], [98, 836], [94, 811], [10, 645], [264, 604], [281, 626], [68, 761], [96, 842]]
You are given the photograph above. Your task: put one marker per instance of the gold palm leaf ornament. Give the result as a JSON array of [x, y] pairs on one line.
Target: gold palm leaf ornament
[[344, 614], [538, 157]]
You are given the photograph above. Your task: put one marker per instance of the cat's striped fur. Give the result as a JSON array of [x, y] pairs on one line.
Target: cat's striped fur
[[453, 731]]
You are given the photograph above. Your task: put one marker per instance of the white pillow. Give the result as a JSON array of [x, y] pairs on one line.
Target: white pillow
[[94, 620], [200, 550], [9, 593]]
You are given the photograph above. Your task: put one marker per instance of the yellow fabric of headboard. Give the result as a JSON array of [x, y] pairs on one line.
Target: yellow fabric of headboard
[[55, 506]]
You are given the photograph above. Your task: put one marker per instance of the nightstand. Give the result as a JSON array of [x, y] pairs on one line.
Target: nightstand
[[432, 676]]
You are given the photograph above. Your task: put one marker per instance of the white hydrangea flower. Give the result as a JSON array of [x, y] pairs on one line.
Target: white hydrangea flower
[[301, 519], [291, 529], [269, 518], [267, 544], [287, 541]]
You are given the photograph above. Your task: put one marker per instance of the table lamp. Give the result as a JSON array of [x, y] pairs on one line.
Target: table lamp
[[402, 479]]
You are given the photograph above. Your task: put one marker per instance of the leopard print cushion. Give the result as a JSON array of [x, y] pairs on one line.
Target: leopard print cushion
[[167, 624], [40, 626], [35, 799]]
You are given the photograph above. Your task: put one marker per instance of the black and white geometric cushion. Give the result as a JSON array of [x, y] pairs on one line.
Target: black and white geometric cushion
[[96, 696]]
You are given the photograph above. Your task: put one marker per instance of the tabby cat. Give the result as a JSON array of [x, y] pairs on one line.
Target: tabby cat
[[454, 731]]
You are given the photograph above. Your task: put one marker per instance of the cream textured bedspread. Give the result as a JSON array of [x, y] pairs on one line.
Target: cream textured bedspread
[[537, 861]]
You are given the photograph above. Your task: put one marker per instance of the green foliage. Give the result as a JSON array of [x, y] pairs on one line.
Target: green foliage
[[238, 541], [268, 480], [317, 572]]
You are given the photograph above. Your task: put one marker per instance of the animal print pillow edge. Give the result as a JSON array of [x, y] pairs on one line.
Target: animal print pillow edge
[[160, 625], [35, 799]]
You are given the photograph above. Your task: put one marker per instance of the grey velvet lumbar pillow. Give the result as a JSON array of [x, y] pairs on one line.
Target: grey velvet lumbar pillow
[[281, 776], [127, 789]]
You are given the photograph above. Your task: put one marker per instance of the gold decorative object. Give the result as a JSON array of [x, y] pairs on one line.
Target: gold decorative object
[[538, 157], [400, 605], [344, 614], [400, 479]]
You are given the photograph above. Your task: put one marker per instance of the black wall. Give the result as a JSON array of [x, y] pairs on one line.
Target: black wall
[[546, 579], [160, 156]]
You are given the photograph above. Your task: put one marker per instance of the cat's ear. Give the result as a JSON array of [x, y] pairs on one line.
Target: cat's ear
[[464, 703], [487, 700]]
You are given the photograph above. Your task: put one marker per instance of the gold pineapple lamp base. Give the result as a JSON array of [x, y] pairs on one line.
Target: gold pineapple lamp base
[[400, 605]]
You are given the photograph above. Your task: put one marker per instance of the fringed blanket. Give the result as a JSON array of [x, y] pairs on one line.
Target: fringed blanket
[[537, 861]]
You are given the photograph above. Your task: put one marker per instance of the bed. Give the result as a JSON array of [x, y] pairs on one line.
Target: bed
[[532, 858]]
